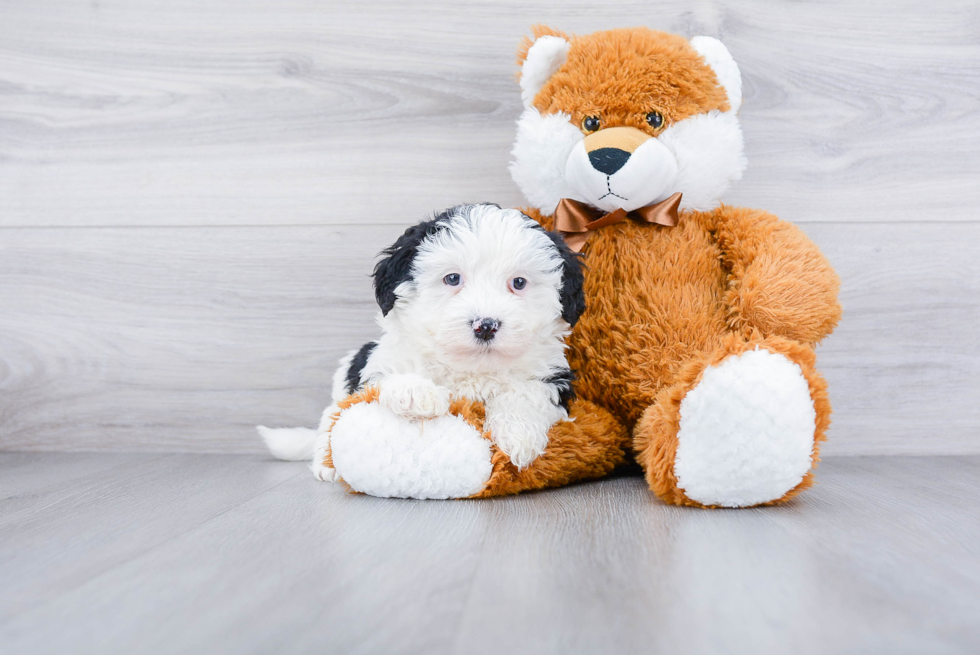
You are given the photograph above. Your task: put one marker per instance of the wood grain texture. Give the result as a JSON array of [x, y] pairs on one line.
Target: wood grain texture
[[202, 333], [191, 196], [86, 514], [237, 554], [194, 336], [304, 112]]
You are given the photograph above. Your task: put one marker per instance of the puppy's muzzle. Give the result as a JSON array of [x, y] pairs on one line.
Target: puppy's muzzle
[[485, 328]]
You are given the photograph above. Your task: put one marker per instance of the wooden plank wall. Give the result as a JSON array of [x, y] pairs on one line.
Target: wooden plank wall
[[192, 193]]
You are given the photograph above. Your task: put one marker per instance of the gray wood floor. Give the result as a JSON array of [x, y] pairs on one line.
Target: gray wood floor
[[182, 553]]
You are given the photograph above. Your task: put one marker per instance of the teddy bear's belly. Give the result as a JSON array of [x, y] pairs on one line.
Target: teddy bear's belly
[[654, 301]]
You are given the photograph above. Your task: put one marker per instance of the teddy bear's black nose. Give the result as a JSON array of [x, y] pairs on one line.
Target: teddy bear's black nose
[[608, 160], [485, 328]]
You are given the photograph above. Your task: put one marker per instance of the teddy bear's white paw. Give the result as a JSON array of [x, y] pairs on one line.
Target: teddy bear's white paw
[[382, 454], [746, 431], [413, 396]]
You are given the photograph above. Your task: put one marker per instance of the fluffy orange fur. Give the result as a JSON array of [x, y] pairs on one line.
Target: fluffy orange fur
[[622, 75], [663, 303], [658, 297], [588, 447]]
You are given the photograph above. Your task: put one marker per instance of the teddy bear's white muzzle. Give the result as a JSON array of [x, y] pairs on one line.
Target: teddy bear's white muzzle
[[611, 179]]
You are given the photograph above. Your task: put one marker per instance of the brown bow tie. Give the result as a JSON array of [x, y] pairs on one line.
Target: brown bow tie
[[576, 219]]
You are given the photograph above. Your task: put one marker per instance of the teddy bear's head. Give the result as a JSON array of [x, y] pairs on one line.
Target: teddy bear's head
[[626, 118]]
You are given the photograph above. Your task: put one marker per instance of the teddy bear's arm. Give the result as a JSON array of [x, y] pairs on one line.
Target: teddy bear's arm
[[587, 447], [779, 282]]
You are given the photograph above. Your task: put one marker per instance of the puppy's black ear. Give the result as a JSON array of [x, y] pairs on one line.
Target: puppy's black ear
[[396, 265], [572, 296]]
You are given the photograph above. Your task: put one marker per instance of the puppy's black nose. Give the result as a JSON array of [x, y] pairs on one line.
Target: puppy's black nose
[[485, 328], [608, 160]]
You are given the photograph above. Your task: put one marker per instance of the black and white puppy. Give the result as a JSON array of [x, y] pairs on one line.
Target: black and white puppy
[[475, 303]]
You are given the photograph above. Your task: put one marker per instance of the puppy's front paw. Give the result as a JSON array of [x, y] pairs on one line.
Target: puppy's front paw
[[521, 440], [319, 466], [323, 473], [413, 396]]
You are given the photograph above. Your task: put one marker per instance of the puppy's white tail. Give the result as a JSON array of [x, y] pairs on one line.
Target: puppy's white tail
[[292, 444]]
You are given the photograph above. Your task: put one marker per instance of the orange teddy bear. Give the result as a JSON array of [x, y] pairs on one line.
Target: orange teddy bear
[[701, 319], [695, 353]]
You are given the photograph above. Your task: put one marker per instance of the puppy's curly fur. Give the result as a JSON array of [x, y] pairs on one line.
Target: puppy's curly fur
[[475, 303]]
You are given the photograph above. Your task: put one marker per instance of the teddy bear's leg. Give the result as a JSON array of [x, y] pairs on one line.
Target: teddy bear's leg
[[587, 447], [371, 450], [740, 426], [374, 451]]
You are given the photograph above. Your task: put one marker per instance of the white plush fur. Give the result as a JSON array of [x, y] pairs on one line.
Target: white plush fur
[[746, 431], [716, 55], [382, 454], [648, 176], [709, 151], [428, 353], [700, 156], [540, 155], [544, 58]]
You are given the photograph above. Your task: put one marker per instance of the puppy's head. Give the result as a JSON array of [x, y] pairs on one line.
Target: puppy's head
[[479, 286], [625, 118]]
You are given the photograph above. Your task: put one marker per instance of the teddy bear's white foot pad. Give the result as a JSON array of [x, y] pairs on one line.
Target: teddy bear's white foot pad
[[382, 454], [746, 431]]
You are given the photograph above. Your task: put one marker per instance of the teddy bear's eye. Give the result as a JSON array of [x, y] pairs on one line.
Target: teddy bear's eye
[[591, 123], [655, 120]]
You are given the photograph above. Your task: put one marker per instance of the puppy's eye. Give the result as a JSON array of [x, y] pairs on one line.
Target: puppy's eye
[[452, 279], [518, 283], [655, 120], [591, 123]]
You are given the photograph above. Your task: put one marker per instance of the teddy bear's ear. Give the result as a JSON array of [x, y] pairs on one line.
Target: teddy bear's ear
[[539, 58], [726, 70]]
